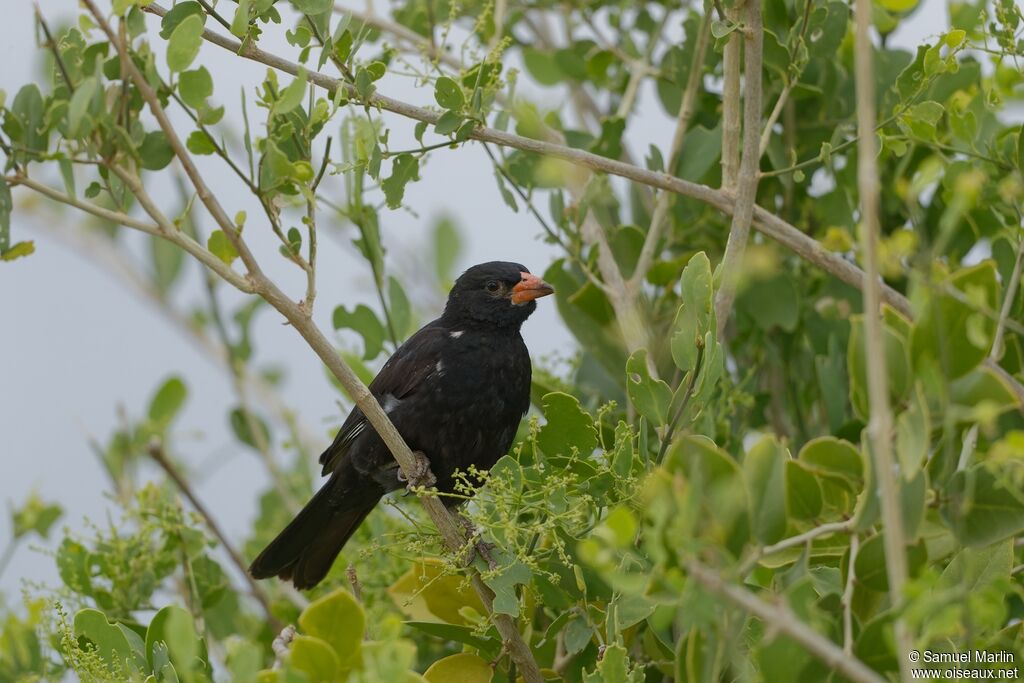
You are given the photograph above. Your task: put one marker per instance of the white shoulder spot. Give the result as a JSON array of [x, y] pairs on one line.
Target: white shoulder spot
[[439, 368], [456, 334], [389, 403]]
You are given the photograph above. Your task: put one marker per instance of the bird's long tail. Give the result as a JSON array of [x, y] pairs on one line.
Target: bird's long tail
[[304, 552]]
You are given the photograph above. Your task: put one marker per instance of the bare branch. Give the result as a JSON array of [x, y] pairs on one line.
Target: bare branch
[[750, 171], [156, 452], [779, 616], [686, 110], [880, 422]]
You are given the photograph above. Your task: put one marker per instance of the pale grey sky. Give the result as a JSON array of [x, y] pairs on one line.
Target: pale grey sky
[[76, 343]]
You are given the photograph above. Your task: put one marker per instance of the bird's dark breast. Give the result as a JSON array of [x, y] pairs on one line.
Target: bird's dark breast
[[469, 410]]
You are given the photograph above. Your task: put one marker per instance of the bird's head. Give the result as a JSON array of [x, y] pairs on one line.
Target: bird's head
[[497, 293]]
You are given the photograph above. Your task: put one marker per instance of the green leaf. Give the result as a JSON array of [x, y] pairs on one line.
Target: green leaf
[[338, 619], [315, 658], [199, 142], [429, 592], [983, 506], [764, 469], [771, 302], [155, 152], [447, 250], [173, 628], [240, 20], [79, 105], [167, 401], [404, 169], [221, 247], [184, 43], [365, 322], [568, 426], [912, 434], [313, 6], [110, 642], [651, 397], [448, 123], [803, 493], [401, 309], [35, 516], [243, 430], [195, 86], [504, 583], [695, 316], [292, 96], [177, 14], [938, 334], [17, 250], [448, 94], [464, 667], [834, 459]]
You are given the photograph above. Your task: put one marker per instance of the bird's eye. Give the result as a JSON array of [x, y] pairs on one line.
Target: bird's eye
[[492, 286]]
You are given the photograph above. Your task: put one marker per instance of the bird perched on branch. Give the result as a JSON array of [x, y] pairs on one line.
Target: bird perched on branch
[[456, 391]]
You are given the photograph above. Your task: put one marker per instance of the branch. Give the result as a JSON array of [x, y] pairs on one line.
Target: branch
[[166, 230], [686, 110], [739, 231], [780, 617], [851, 582], [880, 422], [156, 451], [731, 107]]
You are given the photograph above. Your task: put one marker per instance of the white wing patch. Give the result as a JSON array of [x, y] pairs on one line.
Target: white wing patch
[[456, 334], [389, 403]]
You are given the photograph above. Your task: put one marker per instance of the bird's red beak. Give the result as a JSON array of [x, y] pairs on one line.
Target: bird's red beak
[[529, 288]]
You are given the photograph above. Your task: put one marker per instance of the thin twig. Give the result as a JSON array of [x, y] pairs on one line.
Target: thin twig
[[156, 452], [880, 421], [659, 218], [780, 617], [851, 584]]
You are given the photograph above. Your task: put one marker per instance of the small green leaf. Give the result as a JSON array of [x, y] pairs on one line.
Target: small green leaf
[[568, 426], [651, 397], [167, 401], [184, 43], [199, 142], [338, 619], [449, 94], [764, 471], [982, 506], [110, 642], [401, 309], [35, 516], [221, 247], [803, 492], [18, 250], [242, 425], [155, 152], [404, 169], [195, 86], [448, 123], [464, 667], [695, 316], [291, 97], [313, 6], [315, 658], [365, 322]]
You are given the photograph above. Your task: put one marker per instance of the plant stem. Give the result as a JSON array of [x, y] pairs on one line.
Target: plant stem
[[880, 422], [749, 173]]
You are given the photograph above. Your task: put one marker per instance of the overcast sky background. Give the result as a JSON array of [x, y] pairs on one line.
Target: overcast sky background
[[76, 342]]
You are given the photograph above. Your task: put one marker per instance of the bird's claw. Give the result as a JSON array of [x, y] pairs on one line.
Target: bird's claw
[[422, 476], [478, 546]]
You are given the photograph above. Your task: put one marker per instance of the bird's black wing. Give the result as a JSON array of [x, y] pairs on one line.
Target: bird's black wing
[[405, 371]]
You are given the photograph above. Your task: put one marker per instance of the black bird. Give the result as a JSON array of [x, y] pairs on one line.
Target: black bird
[[456, 391]]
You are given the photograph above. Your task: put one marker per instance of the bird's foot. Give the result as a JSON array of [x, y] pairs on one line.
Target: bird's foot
[[422, 476], [478, 546]]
